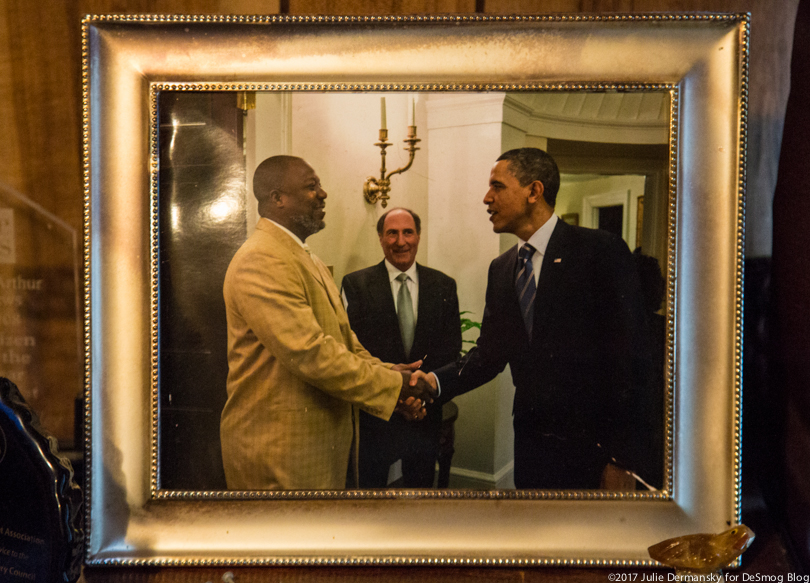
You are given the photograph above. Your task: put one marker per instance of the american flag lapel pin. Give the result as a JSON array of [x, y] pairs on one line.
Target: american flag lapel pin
[[558, 260]]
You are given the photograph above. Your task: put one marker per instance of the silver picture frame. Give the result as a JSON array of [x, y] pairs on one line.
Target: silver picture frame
[[700, 59]]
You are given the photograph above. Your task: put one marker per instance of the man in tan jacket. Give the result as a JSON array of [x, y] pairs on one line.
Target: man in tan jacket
[[296, 369]]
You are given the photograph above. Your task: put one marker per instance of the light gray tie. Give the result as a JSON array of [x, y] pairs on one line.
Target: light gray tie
[[405, 313]]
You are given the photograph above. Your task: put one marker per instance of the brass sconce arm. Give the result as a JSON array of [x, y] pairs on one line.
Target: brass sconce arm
[[375, 189]]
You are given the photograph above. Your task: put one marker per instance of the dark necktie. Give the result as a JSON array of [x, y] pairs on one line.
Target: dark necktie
[[405, 313], [525, 286]]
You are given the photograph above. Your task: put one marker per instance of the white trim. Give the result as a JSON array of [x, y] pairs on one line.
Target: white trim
[[591, 205]]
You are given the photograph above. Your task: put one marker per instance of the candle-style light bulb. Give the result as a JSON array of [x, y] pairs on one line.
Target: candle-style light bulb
[[382, 114], [412, 116]]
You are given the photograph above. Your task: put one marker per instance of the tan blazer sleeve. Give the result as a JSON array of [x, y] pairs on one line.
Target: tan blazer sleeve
[[287, 306]]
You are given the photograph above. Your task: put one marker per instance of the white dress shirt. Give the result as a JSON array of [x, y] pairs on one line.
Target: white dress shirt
[[539, 240], [412, 282], [295, 237]]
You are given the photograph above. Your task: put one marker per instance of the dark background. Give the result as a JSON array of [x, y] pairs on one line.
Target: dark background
[[205, 130]]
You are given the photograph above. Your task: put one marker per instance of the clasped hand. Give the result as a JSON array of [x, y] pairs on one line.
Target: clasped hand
[[415, 391]]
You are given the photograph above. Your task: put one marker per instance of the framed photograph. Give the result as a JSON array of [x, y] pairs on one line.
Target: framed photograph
[[179, 111]]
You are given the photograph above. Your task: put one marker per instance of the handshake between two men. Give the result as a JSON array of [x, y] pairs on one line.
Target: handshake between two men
[[417, 390]]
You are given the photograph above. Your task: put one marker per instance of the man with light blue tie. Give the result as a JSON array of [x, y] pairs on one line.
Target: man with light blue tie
[[402, 312], [564, 310]]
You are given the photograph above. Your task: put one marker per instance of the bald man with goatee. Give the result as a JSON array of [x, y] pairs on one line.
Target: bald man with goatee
[[297, 373]]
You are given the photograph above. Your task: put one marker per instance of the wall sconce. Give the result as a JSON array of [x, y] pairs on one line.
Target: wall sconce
[[375, 189]]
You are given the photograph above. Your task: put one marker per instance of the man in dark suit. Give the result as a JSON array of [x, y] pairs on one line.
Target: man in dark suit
[[402, 312], [563, 309]]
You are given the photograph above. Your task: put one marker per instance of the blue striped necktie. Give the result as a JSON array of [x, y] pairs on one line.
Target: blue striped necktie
[[525, 286]]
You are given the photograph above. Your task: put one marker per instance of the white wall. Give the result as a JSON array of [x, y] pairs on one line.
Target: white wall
[[268, 132], [335, 133], [466, 136]]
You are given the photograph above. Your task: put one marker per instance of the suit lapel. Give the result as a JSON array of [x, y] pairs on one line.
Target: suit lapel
[[428, 308], [383, 296], [325, 279], [555, 261], [504, 275], [381, 290], [312, 264]]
